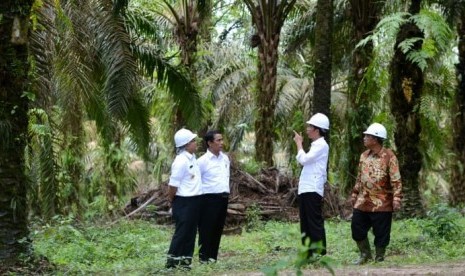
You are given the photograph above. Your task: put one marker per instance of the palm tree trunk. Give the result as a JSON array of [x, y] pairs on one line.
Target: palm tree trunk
[[266, 98], [14, 68], [405, 92], [205, 19], [323, 60], [187, 34], [457, 190], [365, 16], [268, 18]]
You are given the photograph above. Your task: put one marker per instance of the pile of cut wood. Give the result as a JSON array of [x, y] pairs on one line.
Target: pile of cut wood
[[270, 193]]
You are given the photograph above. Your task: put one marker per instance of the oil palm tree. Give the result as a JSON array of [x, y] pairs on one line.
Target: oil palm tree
[[268, 18], [14, 67], [422, 47], [458, 173], [405, 93], [84, 66], [151, 44], [323, 57], [455, 12], [364, 15], [187, 19], [354, 20]]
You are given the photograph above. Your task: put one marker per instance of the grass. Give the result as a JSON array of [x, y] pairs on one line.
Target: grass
[[139, 247]]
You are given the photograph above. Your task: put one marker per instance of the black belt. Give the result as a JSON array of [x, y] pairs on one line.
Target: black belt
[[223, 195]]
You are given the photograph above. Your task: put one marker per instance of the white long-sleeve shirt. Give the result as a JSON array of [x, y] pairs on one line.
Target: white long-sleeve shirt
[[185, 175], [314, 162], [215, 173]]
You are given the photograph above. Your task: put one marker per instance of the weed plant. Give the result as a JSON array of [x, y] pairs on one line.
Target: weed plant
[[252, 218], [139, 248]]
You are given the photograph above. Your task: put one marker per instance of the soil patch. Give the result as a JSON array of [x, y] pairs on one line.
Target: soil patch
[[456, 268]]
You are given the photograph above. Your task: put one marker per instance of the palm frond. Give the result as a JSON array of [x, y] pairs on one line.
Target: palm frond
[[300, 28], [142, 26], [176, 80], [300, 31], [43, 49], [112, 42], [229, 83], [41, 135], [137, 120], [5, 132]]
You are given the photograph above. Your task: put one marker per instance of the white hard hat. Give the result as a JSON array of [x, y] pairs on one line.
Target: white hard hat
[[183, 136], [377, 130], [319, 120]]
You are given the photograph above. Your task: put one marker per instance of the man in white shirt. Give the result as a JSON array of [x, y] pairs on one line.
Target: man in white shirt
[[214, 169], [184, 190], [311, 183]]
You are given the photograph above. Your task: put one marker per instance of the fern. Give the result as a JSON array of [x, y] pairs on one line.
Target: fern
[[435, 27], [437, 39]]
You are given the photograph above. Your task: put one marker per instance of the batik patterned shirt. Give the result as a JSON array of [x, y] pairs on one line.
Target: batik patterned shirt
[[378, 182]]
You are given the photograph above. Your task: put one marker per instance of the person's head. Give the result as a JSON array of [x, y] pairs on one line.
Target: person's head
[[214, 141], [184, 139], [374, 135], [317, 126]]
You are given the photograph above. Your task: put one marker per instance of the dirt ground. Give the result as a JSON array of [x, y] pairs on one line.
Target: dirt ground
[[446, 269]]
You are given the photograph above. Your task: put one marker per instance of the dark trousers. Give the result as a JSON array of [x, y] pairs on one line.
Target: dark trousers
[[312, 224], [212, 218], [186, 216], [380, 221]]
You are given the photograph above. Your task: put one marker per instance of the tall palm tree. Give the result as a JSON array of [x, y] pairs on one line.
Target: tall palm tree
[[14, 67], [268, 18], [354, 20], [186, 19], [422, 46], [152, 46], [365, 15], [323, 57], [457, 185], [405, 93]]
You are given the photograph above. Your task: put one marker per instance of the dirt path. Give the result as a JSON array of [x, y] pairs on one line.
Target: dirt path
[[446, 269]]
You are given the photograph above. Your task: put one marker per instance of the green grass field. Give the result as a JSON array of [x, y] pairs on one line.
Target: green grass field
[[139, 247]]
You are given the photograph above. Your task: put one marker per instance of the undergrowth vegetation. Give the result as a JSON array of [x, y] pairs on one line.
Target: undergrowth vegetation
[[139, 247]]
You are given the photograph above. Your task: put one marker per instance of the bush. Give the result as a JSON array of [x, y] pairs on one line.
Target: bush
[[253, 218], [441, 222]]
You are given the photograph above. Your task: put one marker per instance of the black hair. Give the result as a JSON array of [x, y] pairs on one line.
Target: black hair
[[378, 139], [210, 136], [321, 131]]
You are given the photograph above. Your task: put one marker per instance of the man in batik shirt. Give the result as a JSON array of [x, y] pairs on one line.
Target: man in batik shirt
[[376, 195]]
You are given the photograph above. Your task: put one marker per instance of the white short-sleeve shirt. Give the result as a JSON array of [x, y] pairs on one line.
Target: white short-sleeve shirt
[[315, 161], [215, 173], [185, 175]]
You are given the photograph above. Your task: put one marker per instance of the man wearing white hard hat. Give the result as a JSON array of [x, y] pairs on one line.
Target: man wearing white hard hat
[[311, 183], [184, 190], [377, 193]]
